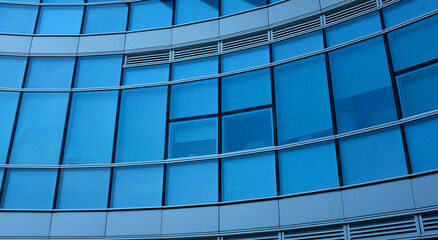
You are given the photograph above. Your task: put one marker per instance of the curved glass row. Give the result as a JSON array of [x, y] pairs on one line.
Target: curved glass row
[[376, 81]]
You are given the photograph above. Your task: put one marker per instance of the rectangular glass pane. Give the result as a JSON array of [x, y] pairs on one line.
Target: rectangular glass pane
[[233, 6], [60, 20], [146, 74], [12, 71], [245, 59], [17, 18], [50, 72], [297, 46], [195, 68], [9, 101], [150, 14], [195, 10], [407, 10], [100, 71], [106, 18]]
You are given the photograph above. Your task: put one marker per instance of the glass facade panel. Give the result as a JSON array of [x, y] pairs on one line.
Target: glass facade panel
[[150, 14], [99, 71], [146, 74], [195, 10], [233, 6], [195, 68], [60, 20], [12, 71], [50, 72], [406, 10], [106, 18], [9, 101], [297, 46], [245, 59], [17, 18]]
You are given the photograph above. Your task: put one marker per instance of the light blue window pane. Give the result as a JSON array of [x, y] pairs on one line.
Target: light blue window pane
[[194, 99], [150, 14], [17, 19], [8, 103], [60, 20], [90, 132], [195, 10], [50, 72], [414, 44], [137, 186], [29, 189], [101, 71], [40, 127], [422, 139], [83, 188], [37, 1], [195, 68], [246, 177], [233, 6], [245, 90], [63, 1], [146, 74], [192, 183], [192, 138], [142, 125], [308, 168], [247, 130], [302, 100], [245, 59], [274, 1], [12, 71], [418, 90], [106, 18], [353, 29], [362, 85], [372, 156], [406, 10], [297, 46]]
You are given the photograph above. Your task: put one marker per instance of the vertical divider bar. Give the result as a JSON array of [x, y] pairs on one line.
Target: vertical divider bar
[[166, 137], [219, 113]]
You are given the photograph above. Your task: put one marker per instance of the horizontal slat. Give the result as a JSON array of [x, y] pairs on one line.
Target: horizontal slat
[[350, 12]]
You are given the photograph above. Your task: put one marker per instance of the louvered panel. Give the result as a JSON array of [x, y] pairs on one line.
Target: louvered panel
[[269, 236], [311, 234], [296, 29], [143, 59], [350, 12], [245, 42], [389, 1], [195, 52], [384, 229], [430, 223]]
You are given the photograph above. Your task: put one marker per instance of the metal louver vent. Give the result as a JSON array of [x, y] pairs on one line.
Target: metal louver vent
[[296, 29], [430, 223], [195, 52], [387, 229], [350, 12], [144, 59], [245, 42], [389, 1], [254, 237], [325, 234]]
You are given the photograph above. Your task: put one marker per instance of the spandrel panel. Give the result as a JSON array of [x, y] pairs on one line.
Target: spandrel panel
[[12, 71], [195, 68], [297, 46], [407, 10], [60, 20], [245, 59], [146, 74], [17, 18], [150, 14], [233, 6], [8, 101], [100, 71], [195, 10], [106, 18], [50, 72]]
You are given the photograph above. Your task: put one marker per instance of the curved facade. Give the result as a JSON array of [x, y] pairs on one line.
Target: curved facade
[[299, 119]]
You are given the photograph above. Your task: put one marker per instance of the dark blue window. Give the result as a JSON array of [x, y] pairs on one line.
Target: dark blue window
[[195, 10], [245, 59], [195, 68], [146, 74], [233, 6], [297, 46], [150, 14], [406, 10]]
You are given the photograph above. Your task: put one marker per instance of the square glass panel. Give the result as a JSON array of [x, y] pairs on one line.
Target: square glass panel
[[195, 68], [233, 6], [106, 18], [245, 59], [9, 101], [50, 72], [60, 20], [12, 71], [195, 10], [146, 74], [150, 14], [17, 18], [100, 71], [297, 46]]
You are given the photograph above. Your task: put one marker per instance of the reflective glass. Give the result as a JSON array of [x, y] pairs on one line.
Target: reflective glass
[[29, 188], [12, 71], [362, 87], [245, 90], [146, 74], [418, 90], [245, 59], [50, 72], [372, 156], [297, 46], [233, 6], [192, 138], [142, 125], [83, 188], [406, 10], [247, 130], [8, 108], [195, 10], [17, 19], [63, 1], [31, 1], [302, 100], [106, 18], [194, 99], [60, 20], [90, 132], [137, 186], [308, 168], [150, 14], [195, 68], [40, 127], [191, 183], [246, 177], [100, 71]]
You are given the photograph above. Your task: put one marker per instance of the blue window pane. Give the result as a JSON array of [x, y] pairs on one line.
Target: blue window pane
[[60, 20], [99, 71], [91, 128], [308, 168], [418, 90], [191, 183], [150, 14], [50, 72], [362, 85], [40, 127], [193, 99], [247, 130], [302, 100], [195, 10], [422, 140], [248, 177], [192, 138], [12, 71], [195, 68], [137, 187], [406, 10], [8, 101], [142, 125], [372, 156], [63, 1], [31, 1], [414, 44], [233, 6], [106, 18], [297, 46], [17, 19], [29, 189], [353, 29], [83, 188], [245, 59], [245, 90], [146, 74]]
